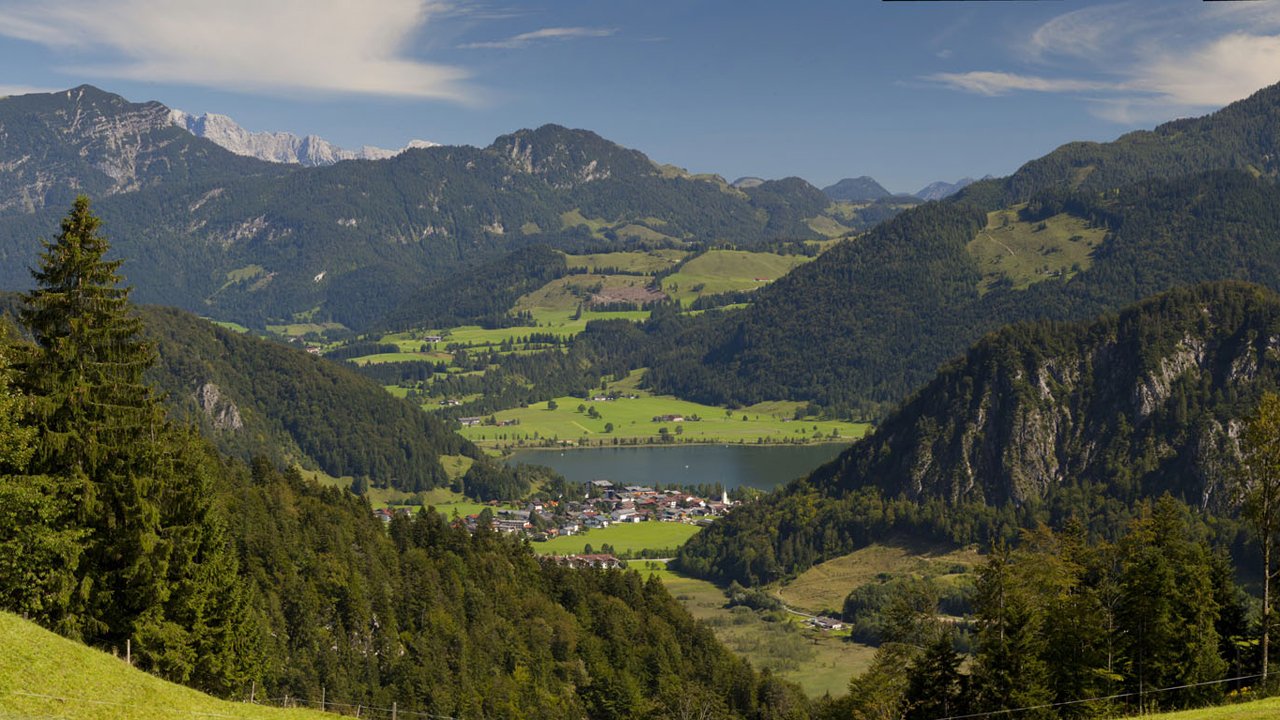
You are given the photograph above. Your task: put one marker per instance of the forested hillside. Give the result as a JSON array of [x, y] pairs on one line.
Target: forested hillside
[[869, 321], [1038, 421], [255, 397], [1242, 136]]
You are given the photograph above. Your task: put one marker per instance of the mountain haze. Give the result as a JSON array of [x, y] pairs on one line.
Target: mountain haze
[[942, 189]]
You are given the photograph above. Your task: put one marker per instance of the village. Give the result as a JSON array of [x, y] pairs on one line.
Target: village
[[603, 504]]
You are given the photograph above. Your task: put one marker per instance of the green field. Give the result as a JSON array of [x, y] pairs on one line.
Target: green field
[[625, 538], [819, 662], [632, 419], [567, 293], [823, 587], [1009, 250], [637, 262], [1258, 710], [300, 329], [828, 227], [717, 271], [232, 326], [43, 675]]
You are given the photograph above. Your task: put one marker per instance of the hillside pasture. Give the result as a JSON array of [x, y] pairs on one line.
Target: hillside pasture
[[1010, 250], [718, 271], [43, 675], [819, 662], [645, 263], [823, 587]]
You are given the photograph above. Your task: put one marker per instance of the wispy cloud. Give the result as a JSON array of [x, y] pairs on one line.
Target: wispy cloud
[[1136, 61], [8, 90], [1000, 83], [292, 46], [545, 34]]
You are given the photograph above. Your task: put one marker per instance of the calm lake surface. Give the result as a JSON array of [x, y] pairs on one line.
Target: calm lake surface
[[762, 467]]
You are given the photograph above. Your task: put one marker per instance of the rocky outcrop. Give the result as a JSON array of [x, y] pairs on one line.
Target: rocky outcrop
[[1145, 402], [221, 411]]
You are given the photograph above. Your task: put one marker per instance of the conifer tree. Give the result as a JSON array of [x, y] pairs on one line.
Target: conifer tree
[[1257, 489], [156, 569]]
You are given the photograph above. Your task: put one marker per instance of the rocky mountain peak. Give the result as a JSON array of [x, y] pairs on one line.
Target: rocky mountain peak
[[278, 147]]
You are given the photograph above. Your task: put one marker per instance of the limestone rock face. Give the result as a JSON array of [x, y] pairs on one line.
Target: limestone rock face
[[278, 147], [221, 411], [1141, 403]]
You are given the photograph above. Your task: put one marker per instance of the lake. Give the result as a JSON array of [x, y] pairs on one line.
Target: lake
[[762, 467]]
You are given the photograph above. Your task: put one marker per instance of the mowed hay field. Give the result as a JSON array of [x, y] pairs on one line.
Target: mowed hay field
[[43, 675], [823, 587], [624, 537], [818, 661], [718, 271], [633, 419]]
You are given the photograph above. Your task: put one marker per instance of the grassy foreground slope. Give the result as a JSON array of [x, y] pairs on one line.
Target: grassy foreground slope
[[46, 675], [1256, 710]]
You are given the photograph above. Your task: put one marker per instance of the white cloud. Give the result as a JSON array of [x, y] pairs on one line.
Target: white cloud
[[1134, 61], [1001, 83], [1220, 72], [554, 33], [294, 46]]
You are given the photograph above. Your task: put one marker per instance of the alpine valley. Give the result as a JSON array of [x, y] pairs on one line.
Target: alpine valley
[[283, 472]]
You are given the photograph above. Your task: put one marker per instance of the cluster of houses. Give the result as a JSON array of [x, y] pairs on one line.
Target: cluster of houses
[[604, 505]]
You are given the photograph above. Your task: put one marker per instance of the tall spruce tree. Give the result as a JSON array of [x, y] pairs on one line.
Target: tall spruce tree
[[39, 552], [156, 570], [1257, 489]]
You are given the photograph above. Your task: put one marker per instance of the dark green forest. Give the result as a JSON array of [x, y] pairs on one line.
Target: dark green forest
[[1067, 628]]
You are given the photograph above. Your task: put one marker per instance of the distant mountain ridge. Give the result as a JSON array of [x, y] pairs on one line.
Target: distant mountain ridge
[[859, 189], [243, 239], [278, 147], [941, 189]]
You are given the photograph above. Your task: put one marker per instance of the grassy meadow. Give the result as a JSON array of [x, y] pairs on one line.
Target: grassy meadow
[[1021, 253], [43, 675], [624, 537], [818, 661], [648, 262], [718, 271], [823, 587]]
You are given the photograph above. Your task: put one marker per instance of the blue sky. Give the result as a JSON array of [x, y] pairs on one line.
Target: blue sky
[[905, 92]]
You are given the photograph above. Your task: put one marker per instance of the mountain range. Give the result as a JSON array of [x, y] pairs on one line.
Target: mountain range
[[280, 147], [242, 239]]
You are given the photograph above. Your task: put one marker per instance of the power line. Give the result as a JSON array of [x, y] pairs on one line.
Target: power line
[[1096, 699]]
